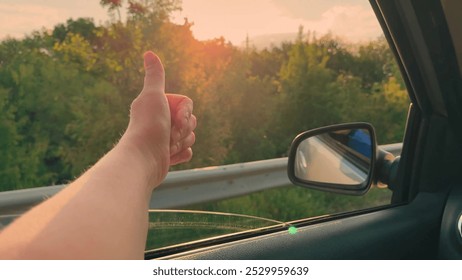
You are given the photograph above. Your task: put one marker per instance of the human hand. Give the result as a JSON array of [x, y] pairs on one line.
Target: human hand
[[182, 135], [161, 125]]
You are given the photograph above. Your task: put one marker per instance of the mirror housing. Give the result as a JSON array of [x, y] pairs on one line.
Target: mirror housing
[[338, 158]]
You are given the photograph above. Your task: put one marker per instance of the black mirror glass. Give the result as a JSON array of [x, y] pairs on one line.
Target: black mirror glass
[[341, 157]]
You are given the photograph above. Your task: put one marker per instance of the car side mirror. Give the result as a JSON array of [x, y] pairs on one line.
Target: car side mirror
[[338, 158]]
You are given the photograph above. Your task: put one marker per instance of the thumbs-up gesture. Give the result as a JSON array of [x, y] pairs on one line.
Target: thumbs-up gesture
[[108, 204], [161, 125]]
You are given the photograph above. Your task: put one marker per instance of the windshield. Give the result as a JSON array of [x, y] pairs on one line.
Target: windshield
[[259, 72]]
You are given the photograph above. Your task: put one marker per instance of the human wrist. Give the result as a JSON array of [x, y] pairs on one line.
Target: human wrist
[[152, 163]]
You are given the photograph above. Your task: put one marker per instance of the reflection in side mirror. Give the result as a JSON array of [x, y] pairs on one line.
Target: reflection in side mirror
[[337, 158]]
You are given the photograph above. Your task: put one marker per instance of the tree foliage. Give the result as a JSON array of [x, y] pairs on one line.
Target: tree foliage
[[65, 94]]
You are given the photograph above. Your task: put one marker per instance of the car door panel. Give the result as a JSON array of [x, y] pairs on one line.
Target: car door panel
[[450, 237]]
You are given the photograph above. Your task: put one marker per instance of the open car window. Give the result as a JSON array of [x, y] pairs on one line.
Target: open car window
[[259, 73]]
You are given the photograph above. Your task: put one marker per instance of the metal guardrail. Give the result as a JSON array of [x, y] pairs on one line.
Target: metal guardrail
[[187, 187], [394, 149]]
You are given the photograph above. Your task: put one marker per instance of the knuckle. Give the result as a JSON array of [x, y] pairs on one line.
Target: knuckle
[[192, 139], [193, 122]]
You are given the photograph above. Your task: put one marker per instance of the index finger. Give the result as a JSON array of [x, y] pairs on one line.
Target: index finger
[[176, 101]]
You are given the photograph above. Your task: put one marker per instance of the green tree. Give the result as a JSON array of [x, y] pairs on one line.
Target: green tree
[[308, 92], [9, 170], [85, 27], [247, 104]]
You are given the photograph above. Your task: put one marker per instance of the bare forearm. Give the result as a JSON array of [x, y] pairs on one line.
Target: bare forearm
[[103, 214]]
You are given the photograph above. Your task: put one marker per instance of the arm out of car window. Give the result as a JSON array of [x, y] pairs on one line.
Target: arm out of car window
[[103, 214]]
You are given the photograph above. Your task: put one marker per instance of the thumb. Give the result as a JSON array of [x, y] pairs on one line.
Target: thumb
[[154, 79]]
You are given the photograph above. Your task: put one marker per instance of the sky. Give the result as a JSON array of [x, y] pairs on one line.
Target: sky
[[353, 20]]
